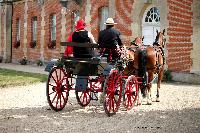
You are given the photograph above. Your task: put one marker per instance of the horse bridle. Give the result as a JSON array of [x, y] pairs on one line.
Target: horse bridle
[[163, 42]]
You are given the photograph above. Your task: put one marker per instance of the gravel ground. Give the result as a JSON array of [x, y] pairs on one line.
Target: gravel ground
[[25, 109]]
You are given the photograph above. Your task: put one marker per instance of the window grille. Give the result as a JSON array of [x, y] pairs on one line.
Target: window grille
[[153, 15]]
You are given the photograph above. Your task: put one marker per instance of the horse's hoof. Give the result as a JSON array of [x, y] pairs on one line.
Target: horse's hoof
[[157, 100], [149, 102], [139, 103]]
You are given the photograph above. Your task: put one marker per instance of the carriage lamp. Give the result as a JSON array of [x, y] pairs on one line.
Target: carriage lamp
[[64, 3]]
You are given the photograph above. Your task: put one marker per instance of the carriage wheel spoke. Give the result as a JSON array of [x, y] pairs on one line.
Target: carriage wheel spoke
[[57, 76], [52, 92], [81, 97], [54, 97], [54, 79], [113, 104], [57, 101], [60, 100], [84, 98], [51, 85], [63, 97]]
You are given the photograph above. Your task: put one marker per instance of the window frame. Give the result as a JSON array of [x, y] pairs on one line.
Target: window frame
[[18, 25], [34, 28], [103, 15], [53, 27]]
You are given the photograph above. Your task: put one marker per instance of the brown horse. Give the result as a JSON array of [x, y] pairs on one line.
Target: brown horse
[[147, 61]]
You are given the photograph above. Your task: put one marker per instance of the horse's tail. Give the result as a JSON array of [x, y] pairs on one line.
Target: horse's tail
[[142, 70]]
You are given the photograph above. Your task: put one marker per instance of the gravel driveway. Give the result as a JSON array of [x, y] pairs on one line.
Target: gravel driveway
[[25, 109]]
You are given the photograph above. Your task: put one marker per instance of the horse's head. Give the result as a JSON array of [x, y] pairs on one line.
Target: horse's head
[[160, 38], [138, 41]]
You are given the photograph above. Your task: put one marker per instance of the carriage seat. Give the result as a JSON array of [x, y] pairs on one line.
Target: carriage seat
[[83, 66]]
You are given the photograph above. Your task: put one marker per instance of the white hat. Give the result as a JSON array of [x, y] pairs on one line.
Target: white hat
[[110, 21]]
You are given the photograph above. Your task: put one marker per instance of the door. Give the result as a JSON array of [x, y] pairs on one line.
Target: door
[[150, 23], [149, 33]]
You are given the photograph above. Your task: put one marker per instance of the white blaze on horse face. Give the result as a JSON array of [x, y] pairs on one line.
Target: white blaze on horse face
[[161, 39]]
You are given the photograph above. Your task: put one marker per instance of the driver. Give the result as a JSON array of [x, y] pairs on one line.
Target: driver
[[109, 40]]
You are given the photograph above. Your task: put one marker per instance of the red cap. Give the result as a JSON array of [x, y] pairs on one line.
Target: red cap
[[80, 24]]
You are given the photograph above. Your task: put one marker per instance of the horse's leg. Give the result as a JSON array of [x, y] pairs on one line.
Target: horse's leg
[[160, 75], [149, 85]]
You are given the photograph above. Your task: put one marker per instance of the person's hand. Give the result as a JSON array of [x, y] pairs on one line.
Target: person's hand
[[118, 49]]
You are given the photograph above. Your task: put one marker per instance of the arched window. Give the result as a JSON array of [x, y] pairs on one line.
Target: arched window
[[150, 23], [103, 17], [153, 15]]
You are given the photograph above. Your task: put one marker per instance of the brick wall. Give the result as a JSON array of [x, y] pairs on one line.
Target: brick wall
[[69, 15], [179, 32], [18, 13], [34, 10], [52, 7], [96, 5], [124, 19]]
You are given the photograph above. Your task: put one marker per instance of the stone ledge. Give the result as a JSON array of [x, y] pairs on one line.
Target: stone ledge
[[192, 78]]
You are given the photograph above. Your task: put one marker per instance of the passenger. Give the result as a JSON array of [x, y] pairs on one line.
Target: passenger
[[80, 35], [109, 40]]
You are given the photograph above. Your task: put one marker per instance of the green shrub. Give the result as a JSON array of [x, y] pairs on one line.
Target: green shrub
[[39, 63], [167, 76], [23, 61]]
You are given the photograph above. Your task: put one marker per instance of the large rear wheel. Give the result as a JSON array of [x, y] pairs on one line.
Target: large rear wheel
[[57, 90], [131, 92], [112, 93]]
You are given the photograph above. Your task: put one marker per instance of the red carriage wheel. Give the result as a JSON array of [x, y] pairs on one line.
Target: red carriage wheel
[[131, 92], [83, 98], [112, 92], [57, 89]]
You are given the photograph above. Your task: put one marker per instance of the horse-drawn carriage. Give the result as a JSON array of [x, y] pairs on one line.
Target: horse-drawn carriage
[[93, 75]]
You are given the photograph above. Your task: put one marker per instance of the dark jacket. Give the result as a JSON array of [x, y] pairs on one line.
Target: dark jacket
[[81, 52], [109, 38], [108, 41]]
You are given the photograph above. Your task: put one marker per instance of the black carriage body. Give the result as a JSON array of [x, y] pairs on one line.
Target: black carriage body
[[81, 67], [84, 66]]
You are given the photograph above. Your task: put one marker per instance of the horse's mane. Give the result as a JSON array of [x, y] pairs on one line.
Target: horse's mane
[[156, 40]]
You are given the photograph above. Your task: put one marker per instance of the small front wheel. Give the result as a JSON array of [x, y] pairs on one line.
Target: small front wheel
[[112, 93], [131, 92]]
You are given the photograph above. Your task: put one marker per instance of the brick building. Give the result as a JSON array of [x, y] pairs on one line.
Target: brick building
[[38, 27]]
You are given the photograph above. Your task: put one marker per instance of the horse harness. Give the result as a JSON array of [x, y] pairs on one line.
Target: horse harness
[[159, 50]]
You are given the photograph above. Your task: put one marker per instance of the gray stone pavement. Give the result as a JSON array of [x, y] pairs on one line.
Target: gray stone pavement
[[24, 68]]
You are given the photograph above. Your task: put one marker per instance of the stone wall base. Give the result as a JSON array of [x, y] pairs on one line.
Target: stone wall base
[[193, 78]]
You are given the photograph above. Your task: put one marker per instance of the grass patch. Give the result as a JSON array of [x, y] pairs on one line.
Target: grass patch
[[17, 78]]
